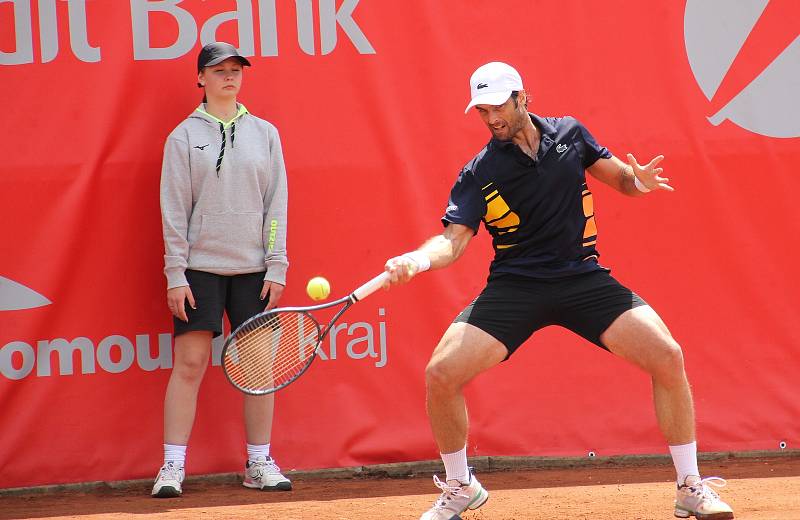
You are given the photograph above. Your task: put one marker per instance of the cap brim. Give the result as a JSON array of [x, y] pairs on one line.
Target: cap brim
[[220, 59], [490, 98]]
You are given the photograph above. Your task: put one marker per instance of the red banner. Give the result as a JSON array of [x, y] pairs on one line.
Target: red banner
[[368, 96]]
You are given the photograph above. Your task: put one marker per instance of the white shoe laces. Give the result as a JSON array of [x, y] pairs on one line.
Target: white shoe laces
[[265, 467], [448, 492], [702, 488], [271, 467], [169, 472]]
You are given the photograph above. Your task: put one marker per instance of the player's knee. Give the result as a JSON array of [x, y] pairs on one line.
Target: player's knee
[[439, 376], [190, 368], [669, 362]]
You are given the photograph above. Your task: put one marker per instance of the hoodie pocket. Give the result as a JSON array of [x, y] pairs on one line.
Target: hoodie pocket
[[229, 241]]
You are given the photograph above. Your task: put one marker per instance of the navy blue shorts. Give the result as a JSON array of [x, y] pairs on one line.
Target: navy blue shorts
[[512, 307], [238, 295]]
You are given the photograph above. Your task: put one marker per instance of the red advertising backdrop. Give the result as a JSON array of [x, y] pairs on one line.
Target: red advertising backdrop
[[368, 96]]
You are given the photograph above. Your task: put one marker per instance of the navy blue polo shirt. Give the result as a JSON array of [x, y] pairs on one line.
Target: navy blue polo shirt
[[539, 211]]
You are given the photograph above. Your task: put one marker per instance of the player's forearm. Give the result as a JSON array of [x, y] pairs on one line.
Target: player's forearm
[[627, 181], [443, 250], [617, 174]]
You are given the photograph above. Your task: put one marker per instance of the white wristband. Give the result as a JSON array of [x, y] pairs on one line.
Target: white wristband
[[639, 186], [419, 258]]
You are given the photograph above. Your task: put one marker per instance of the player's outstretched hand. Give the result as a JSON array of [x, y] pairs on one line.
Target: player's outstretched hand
[[649, 175], [401, 269]]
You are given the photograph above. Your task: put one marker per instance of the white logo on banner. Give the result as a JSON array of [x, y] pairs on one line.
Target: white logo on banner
[[117, 353], [249, 16], [15, 296], [745, 55]]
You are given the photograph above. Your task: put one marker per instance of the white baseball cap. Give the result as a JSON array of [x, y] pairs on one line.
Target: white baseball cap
[[492, 84]]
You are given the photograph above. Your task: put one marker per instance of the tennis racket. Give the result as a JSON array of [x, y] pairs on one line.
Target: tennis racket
[[272, 349]]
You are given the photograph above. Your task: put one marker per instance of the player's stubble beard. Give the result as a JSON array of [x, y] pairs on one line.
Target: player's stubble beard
[[512, 127]]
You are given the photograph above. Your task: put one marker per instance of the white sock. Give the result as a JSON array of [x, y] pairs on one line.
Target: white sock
[[257, 450], [455, 464], [685, 459], [175, 453]]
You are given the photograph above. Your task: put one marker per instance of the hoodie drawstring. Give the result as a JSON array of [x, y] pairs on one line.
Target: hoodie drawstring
[[233, 134], [222, 148]]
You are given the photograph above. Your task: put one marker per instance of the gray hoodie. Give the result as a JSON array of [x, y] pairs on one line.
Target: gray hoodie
[[223, 198]]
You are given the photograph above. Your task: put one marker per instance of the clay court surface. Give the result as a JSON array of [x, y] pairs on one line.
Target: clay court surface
[[758, 489]]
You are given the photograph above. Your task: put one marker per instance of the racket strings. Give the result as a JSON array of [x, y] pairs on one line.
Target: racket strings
[[270, 352]]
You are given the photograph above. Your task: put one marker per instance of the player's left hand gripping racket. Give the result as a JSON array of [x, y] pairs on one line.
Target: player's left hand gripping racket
[[274, 348]]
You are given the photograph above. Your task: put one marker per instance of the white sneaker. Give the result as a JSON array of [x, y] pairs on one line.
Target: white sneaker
[[695, 497], [264, 474], [168, 482], [456, 498]]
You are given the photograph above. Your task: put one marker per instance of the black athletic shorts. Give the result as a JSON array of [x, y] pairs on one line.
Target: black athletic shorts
[[512, 307], [238, 295]]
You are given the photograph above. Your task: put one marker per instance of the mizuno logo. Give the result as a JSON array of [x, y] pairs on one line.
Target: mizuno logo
[[561, 148], [481, 85], [201, 147]]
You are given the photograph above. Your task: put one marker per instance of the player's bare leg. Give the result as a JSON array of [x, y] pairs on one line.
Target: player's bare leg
[[261, 471], [463, 352], [258, 410], [640, 336], [192, 351]]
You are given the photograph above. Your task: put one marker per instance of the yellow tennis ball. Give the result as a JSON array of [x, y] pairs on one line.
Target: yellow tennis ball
[[318, 288]]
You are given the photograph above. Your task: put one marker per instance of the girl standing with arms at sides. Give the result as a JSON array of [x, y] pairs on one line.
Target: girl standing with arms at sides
[[223, 209]]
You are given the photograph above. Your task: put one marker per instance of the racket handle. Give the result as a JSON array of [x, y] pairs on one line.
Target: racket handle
[[371, 286]]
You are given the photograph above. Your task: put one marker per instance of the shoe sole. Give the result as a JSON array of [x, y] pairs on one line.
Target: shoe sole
[[683, 513], [280, 486], [167, 492]]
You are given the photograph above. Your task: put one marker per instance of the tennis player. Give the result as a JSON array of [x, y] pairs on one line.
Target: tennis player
[[528, 187], [223, 208]]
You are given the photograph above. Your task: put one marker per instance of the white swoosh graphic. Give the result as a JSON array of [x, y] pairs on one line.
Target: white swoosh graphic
[[15, 296]]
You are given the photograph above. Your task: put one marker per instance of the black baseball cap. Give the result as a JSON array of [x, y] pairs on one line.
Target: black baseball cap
[[217, 52]]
